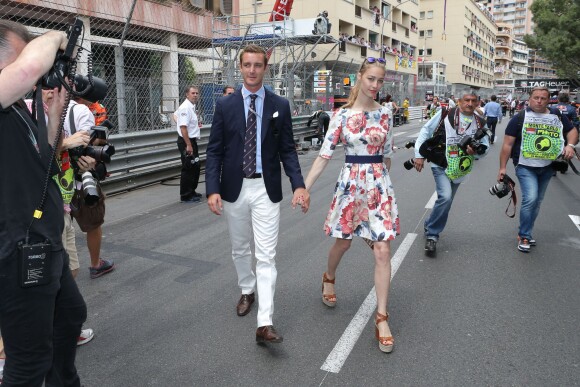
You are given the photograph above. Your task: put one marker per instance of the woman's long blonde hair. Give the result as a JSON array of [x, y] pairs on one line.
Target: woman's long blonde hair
[[355, 89]]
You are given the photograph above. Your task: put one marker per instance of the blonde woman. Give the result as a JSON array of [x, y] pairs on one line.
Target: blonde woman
[[364, 203]]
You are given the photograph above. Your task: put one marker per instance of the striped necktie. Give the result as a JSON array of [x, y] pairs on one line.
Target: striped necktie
[[249, 164]]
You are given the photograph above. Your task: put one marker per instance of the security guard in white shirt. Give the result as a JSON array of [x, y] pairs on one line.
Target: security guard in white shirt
[[189, 132]]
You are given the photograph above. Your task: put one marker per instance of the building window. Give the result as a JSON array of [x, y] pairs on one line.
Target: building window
[[429, 14], [421, 52], [429, 52], [421, 33], [429, 33], [422, 15]]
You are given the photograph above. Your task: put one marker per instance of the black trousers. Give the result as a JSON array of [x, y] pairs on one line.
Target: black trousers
[[189, 175], [491, 124], [40, 325]]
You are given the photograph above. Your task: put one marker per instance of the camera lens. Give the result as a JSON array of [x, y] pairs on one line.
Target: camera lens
[[90, 189]]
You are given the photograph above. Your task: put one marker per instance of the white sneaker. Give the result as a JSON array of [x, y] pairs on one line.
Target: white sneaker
[[86, 336]]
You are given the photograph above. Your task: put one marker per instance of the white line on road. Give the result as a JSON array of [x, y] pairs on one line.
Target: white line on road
[[431, 201], [575, 220], [399, 134], [345, 344]]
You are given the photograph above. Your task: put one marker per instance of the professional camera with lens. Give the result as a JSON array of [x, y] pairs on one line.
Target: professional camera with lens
[[475, 141], [503, 187], [99, 153], [64, 59]]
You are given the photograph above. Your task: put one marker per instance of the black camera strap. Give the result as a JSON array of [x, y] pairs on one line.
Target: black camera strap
[[513, 199]]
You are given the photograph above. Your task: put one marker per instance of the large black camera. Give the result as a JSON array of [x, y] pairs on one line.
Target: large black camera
[[90, 189], [503, 187], [475, 141], [91, 88], [99, 153], [64, 59]]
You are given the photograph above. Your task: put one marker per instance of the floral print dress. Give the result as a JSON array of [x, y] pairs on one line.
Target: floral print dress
[[364, 201]]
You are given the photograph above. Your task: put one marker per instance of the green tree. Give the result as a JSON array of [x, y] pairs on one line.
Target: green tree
[[557, 23]]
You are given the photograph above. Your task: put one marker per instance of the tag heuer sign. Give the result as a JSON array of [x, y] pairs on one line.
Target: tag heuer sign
[[549, 83]]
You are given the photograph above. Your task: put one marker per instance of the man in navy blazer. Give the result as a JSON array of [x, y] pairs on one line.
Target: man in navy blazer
[[251, 134]]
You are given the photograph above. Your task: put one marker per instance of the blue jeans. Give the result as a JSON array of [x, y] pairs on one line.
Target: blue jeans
[[446, 190], [533, 184]]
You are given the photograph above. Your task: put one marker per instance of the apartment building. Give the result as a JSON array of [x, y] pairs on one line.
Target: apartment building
[[514, 12], [462, 36], [517, 13], [365, 28]]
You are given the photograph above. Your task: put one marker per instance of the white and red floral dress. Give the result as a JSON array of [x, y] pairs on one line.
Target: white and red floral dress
[[364, 201]]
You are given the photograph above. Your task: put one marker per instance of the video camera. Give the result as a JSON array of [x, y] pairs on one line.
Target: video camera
[[475, 141]]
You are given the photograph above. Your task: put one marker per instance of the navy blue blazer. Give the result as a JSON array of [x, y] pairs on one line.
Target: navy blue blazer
[[225, 150]]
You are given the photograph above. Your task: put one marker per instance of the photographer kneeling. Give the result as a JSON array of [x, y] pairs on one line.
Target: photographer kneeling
[[534, 139], [41, 309], [453, 139]]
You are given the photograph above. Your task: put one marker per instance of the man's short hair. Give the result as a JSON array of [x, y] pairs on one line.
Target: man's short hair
[[564, 97], [540, 88], [226, 87], [254, 49], [191, 87], [7, 27], [469, 93], [493, 98]]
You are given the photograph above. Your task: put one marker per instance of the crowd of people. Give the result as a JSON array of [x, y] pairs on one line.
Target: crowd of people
[[251, 141]]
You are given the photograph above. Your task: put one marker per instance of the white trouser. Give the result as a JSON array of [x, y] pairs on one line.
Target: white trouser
[[254, 211]]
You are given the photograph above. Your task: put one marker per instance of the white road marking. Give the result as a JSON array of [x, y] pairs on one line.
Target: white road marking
[[431, 201], [575, 220], [399, 134], [345, 344]]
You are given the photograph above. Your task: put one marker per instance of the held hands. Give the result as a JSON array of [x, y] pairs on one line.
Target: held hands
[[419, 162], [214, 202], [302, 198]]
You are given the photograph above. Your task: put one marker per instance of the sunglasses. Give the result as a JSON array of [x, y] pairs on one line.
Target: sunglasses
[[371, 59]]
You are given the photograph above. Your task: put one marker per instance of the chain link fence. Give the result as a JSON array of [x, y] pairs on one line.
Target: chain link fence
[[145, 60]]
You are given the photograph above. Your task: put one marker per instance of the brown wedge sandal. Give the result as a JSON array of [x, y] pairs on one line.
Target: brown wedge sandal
[[386, 344], [328, 299]]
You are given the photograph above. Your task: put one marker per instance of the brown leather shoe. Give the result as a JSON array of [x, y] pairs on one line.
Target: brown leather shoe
[[245, 304], [267, 334]]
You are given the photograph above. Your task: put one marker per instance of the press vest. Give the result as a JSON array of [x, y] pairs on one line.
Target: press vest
[[459, 164], [542, 139]]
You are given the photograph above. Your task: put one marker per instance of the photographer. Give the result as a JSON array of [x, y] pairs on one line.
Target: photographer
[[534, 138], [40, 317], [80, 119], [449, 129]]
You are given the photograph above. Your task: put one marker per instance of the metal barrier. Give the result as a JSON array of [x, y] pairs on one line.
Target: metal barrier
[[144, 158], [148, 157]]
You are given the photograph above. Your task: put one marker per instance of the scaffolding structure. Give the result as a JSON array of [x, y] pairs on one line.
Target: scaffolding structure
[[292, 47]]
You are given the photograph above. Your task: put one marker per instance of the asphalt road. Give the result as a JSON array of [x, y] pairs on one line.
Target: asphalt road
[[480, 313]]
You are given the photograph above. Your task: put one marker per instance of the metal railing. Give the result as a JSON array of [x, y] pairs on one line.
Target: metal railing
[[148, 157]]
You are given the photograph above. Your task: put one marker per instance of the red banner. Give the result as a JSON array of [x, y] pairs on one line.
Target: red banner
[[281, 8]]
